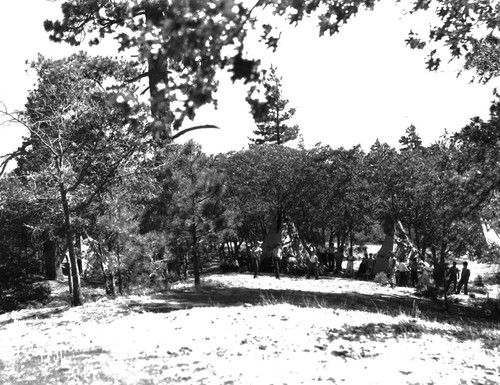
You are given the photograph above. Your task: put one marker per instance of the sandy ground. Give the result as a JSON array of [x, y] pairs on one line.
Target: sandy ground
[[243, 342]]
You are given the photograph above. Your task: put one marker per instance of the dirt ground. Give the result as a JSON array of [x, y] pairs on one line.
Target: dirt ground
[[240, 330]]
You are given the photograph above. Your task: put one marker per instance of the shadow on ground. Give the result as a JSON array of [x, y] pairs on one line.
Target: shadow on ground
[[432, 309]]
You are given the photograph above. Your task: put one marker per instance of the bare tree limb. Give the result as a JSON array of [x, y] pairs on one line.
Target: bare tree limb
[[192, 129]]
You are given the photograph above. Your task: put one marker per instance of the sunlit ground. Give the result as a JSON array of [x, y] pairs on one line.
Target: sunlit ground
[[253, 331]]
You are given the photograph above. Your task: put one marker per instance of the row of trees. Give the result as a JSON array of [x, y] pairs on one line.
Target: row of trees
[[90, 167], [134, 201]]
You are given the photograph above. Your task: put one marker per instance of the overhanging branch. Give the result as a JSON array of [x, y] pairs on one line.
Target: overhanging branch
[[185, 131]]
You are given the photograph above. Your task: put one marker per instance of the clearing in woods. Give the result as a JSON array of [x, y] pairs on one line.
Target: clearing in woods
[[240, 330]]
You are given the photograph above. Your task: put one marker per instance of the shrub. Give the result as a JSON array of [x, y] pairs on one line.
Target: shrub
[[381, 278], [408, 328], [228, 267], [25, 291], [478, 281], [40, 292]]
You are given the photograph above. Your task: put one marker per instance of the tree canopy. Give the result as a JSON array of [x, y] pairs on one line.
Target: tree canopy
[[179, 46]]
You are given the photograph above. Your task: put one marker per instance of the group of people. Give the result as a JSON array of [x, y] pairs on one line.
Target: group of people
[[315, 256], [278, 253], [454, 275], [399, 273]]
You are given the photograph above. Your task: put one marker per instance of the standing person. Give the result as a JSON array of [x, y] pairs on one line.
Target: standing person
[[314, 263], [391, 270], [322, 254], [339, 256], [369, 266], [277, 254], [350, 265], [255, 255], [362, 267], [453, 275], [413, 271], [403, 273], [330, 257], [464, 279]]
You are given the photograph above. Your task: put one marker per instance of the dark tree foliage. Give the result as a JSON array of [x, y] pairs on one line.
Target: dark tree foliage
[[78, 141], [270, 112], [187, 206], [477, 158], [411, 140], [179, 46]]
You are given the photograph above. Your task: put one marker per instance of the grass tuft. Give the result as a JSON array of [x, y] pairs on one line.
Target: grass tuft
[[408, 328], [267, 299]]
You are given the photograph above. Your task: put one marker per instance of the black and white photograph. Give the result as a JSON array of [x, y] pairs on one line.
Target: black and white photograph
[[249, 192]]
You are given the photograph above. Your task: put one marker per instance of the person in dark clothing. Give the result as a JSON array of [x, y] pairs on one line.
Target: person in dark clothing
[[339, 257], [322, 256], [413, 266], [453, 275], [370, 263], [464, 279], [362, 267], [330, 257], [403, 274]]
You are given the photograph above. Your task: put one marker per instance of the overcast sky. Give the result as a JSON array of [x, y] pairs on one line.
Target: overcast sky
[[349, 89]]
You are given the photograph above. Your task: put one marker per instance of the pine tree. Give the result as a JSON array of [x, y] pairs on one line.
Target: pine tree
[[411, 141], [271, 114]]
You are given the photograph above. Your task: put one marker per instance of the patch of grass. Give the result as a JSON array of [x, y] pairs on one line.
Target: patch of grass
[[408, 328], [489, 339], [268, 299], [378, 331], [209, 282]]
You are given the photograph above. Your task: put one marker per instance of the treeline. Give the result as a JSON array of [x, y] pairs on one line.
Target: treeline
[[179, 208], [91, 179]]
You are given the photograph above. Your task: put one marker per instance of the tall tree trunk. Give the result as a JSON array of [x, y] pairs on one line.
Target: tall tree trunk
[[196, 261], [351, 242], [119, 266], [77, 289], [103, 269], [52, 262], [278, 136], [105, 277], [78, 253], [70, 278], [331, 238], [279, 221], [158, 80], [423, 249], [185, 266], [111, 282]]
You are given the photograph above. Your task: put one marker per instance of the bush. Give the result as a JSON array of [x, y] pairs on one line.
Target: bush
[[40, 292], [478, 281], [24, 291], [228, 267], [381, 278]]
